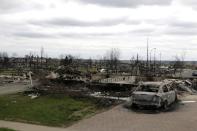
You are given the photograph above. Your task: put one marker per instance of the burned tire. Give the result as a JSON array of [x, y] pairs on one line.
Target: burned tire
[[134, 105]]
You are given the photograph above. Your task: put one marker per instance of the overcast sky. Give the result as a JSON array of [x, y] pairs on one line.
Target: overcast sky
[[88, 28]]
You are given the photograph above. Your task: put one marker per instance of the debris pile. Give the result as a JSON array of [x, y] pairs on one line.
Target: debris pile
[[52, 75], [34, 96], [69, 73], [183, 86], [4, 79]]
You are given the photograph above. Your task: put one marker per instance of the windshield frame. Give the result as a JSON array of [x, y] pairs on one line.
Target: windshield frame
[[148, 88]]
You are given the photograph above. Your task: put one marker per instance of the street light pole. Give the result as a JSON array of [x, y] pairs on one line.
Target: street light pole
[[154, 61], [160, 65], [151, 56], [147, 63], [160, 58]]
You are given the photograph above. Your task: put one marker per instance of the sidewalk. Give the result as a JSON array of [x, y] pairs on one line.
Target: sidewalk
[[28, 127]]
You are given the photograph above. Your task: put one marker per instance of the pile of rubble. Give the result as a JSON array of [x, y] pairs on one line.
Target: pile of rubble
[[184, 85], [69, 73], [11, 79]]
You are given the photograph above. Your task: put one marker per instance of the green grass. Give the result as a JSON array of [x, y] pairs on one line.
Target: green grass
[[6, 129], [52, 110]]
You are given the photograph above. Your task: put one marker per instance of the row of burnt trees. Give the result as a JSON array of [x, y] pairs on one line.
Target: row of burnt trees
[[112, 64], [109, 61], [4, 60], [112, 60], [30, 61]]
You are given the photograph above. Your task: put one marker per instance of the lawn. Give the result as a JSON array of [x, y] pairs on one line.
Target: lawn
[[51, 110], [6, 129]]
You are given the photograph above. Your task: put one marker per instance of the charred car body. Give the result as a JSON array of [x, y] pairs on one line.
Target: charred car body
[[156, 94]]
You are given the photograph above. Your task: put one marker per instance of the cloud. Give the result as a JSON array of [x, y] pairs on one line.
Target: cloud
[[29, 34], [88, 26], [191, 3], [181, 32], [13, 6], [145, 31], [80, 23], [181, 28], [183, 24], [5, 4], [86, 35], [127, 3], [40, 35]]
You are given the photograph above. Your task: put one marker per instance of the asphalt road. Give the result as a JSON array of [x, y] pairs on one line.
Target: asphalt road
[[182, 117]]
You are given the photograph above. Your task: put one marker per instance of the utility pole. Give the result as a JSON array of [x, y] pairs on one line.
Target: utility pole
[[41, 56], [147, 51], [150, 60], [160, 65], [147, 63], [160, 58], [137, 57], [154, 62], [137, 66]]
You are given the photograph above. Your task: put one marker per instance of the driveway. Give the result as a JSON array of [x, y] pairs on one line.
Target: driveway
[[28, 127]]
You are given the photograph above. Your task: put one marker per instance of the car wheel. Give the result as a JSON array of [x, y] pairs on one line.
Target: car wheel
[[165, 105], [176, 98], [134, 105]]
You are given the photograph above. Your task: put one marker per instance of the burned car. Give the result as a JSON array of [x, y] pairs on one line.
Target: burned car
[[194, 73], [156, 94]]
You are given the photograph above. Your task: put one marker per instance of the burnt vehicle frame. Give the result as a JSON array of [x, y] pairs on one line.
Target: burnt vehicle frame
[[154, 94]]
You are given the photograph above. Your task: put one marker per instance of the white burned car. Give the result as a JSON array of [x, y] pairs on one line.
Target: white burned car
[[157, 94]]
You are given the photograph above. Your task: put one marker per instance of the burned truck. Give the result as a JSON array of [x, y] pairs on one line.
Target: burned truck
[[154, 94]]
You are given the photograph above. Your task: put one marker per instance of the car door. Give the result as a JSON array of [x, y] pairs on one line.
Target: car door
[[172, 94], [166, 94]]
